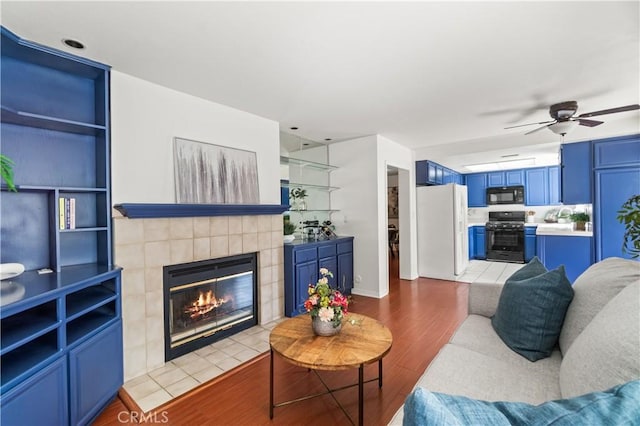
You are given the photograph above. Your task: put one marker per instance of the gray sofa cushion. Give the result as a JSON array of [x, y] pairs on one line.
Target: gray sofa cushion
[[477, 334], [531, 310], [606, 353], [592, 290]]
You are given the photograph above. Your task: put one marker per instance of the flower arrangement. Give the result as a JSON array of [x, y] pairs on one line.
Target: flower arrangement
[[324, 302]]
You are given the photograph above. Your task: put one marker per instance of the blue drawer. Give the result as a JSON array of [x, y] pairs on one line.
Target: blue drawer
[[345, 247], [327, 251], [305, 255]]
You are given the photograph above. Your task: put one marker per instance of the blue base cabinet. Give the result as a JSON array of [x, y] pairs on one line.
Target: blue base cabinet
[[477, 242], [574, 252], [530, 242], [302, 261]]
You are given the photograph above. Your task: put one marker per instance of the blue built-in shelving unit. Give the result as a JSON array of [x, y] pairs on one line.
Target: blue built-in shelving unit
[[61, 327]]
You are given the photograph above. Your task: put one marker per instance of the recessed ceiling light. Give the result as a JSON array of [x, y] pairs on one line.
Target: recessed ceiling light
[[293, 128], [69, 42]]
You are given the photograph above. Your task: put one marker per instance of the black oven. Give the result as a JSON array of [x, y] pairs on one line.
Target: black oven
[[505, 195], [505, 236]]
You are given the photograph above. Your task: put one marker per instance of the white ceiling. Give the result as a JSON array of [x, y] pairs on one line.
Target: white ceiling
[[443, 78]]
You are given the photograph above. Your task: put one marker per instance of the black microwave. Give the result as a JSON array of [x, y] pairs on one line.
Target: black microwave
[[505, 195]]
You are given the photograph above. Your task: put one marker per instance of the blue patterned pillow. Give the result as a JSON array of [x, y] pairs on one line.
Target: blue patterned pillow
[[531, 310], [617, 406]]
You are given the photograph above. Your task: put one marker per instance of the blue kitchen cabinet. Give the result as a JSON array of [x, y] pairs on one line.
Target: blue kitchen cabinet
[[476, 189], [472, 242], [617, 152], [574, 252], [542, 186], [613, 187], [302, 261], [431, 173], [480, 242], [514, 177], [530, 241], [496, 179], [576, 173]]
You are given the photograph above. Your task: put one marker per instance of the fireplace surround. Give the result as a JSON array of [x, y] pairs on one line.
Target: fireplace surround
[[144, 245]]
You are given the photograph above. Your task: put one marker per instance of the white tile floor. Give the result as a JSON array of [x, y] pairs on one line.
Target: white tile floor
[[191, 370], [489, 272]]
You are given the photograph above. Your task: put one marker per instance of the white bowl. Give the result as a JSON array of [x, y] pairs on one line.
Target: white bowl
[[10, 270]]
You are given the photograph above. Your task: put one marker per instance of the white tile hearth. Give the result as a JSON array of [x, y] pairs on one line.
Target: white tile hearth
[[189, 371]]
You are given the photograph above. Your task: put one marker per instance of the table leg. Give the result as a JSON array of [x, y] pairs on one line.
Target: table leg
[[380, 373], [271, 385], [361, 395]]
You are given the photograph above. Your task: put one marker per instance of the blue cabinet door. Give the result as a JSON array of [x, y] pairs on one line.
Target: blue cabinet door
[[345, 272], [331, 263], [431, 172], [306, 273], [95, 373], [514, 177], [39, 400], [530, 241], [472, 242], [477, 189], [575, 253], [612, 188], [480, 243], [576, 173], [554, 185], [617, 152], [495, 179], [537, 182]]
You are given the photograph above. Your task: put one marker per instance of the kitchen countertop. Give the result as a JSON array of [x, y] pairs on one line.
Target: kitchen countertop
[[565, 229]]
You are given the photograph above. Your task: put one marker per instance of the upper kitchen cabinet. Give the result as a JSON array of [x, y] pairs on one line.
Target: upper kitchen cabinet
[[476, 189], [505, 178], [576, 173], [432, 173], [618, 152], [542, 186]]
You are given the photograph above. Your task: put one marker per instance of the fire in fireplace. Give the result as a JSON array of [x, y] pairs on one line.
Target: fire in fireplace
[[208, 300]]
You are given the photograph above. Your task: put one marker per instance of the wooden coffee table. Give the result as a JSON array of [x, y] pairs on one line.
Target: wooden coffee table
[[363, 340]]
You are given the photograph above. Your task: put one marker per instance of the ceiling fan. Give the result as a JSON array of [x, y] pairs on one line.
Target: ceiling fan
[[564, 118]]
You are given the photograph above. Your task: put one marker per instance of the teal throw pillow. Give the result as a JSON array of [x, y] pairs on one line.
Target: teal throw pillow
[[617, 406], [531, 310], [530, 270]]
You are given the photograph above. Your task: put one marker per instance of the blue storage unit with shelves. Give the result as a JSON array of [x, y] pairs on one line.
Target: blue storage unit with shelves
[[55, 127], [302, 261]]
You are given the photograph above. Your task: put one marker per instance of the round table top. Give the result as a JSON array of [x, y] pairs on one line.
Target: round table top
[[362, 340]]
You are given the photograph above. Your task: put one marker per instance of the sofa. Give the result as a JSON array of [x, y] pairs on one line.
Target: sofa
[[598, 345]]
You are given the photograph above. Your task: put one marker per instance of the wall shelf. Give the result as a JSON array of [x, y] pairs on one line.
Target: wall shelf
[[140, 210], [307, 164]]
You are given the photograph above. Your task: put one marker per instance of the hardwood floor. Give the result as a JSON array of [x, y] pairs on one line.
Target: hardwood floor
[[421, 314]]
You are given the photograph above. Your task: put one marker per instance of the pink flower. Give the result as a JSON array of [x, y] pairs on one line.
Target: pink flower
[[325, 314]]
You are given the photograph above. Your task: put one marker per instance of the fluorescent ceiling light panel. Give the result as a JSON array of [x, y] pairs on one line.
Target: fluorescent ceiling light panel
[[502, 165]]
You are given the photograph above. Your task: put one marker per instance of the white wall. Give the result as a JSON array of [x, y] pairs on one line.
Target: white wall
[[361, 199], [145, 118]]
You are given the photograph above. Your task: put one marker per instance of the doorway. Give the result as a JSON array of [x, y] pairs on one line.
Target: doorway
[[393, 223]]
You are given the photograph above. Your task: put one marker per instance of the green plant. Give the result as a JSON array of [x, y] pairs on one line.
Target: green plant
[[579, 217], [629, 216], [6, 171], [289, 228]]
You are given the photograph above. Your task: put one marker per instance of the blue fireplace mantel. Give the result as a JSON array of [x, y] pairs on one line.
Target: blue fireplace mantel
[[145, 211]]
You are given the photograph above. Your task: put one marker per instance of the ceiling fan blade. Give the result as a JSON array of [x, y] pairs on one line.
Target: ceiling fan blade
[[589, 123], [610, 111], [529, 124], [537, 130]]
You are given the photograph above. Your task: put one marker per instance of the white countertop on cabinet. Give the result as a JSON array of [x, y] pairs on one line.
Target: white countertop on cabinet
[[564, 229]]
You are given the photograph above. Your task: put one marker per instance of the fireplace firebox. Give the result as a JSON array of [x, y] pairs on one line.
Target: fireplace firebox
[[208, 300]]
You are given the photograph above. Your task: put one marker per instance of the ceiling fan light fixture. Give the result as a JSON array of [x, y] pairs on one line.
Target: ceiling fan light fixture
[[563, 127]]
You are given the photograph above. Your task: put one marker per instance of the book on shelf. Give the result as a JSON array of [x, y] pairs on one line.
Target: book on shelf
[[67, 216]]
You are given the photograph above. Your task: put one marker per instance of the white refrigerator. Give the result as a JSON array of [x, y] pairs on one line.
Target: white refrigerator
[[443, 242]]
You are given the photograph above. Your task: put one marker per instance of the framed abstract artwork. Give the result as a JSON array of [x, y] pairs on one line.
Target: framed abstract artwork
[[214, 174]]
